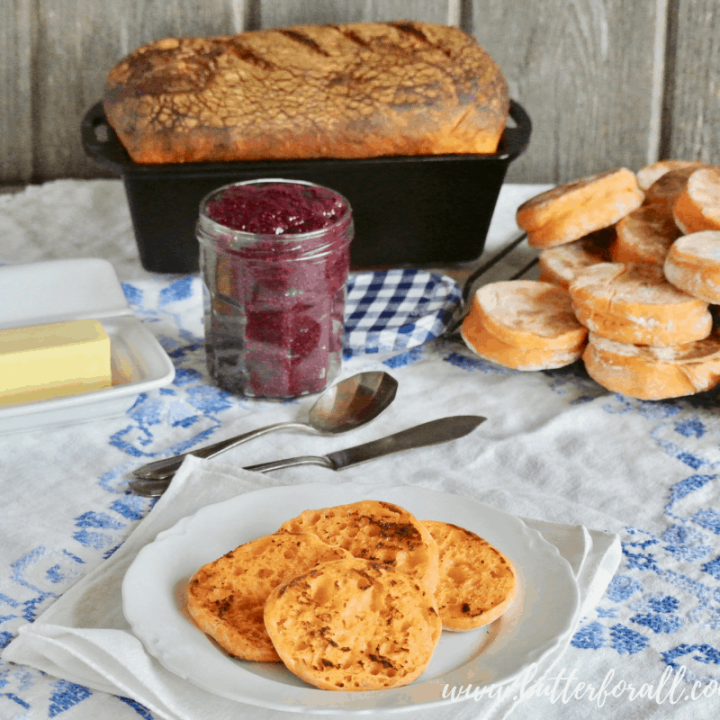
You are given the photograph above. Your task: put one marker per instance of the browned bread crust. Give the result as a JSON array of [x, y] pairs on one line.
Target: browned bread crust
[[353, 625], [377, 531], [344, 91], [226, 597], [477, 582]]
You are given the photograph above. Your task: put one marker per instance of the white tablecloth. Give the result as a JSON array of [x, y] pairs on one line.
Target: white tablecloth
[[556, 447]]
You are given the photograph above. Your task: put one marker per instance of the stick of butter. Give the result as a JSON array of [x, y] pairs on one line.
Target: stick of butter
[[46, 361]]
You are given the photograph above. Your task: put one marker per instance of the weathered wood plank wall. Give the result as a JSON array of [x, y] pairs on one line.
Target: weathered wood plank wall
[[606, 82]]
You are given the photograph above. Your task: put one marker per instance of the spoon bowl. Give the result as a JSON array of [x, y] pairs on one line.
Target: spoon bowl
[[345, 406]]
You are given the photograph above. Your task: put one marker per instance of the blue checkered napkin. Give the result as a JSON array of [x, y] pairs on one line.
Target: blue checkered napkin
[[396, 309]]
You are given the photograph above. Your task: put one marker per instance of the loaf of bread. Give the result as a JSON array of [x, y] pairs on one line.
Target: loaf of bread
[[341, 91]]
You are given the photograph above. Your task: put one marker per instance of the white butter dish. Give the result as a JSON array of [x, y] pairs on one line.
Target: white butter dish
[[60, 290]]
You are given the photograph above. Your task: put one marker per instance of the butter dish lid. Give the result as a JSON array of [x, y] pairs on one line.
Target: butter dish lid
[[59, 290]]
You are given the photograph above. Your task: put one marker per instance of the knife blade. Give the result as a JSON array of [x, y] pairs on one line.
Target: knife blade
[[433, 432]]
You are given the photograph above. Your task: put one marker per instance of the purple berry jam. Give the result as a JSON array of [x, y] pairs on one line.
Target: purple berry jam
[[274, 324], [277, 209]]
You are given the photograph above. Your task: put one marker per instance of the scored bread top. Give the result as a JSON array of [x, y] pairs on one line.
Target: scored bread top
[[529, 314], [654, 373], [378, 531], [344, 91], [698, 206], [353, 625], [634, 303], [226, 597], [693, 265], [477, 582], [645, 235], [568, 212]]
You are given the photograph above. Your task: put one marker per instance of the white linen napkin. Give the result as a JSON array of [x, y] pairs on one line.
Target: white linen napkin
[[84, 637]]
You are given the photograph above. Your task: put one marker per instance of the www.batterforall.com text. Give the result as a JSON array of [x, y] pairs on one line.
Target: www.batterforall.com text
[[564, 687]]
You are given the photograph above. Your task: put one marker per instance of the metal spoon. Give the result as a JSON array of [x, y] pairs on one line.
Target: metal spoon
[[351, 403]]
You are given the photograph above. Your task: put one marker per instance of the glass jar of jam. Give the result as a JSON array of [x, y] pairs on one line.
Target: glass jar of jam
[[274, 258]]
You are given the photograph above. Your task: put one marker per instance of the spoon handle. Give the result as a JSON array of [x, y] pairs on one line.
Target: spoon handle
[[155, 487], [164, 469]]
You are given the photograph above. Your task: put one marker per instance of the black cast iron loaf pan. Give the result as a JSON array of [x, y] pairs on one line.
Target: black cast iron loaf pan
[[422, 210]]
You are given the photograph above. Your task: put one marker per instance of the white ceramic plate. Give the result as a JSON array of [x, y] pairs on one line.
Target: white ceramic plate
[[542, 615], [61, 290]]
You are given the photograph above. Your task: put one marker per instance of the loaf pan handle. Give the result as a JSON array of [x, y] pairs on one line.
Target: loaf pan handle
[[98, 140], [517, 138]]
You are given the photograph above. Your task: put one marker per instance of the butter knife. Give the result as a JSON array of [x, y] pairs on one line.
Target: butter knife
[[430, 433]]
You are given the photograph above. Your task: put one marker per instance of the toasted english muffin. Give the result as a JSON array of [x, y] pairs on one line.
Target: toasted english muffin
[[377, 531], [353, 625], [525, 325], [568, 212], [477, 582], [645, 235], [654, 373], [226, 597], [650, 173], [697, 208], [634, 303], [664, 192], [559, 264], [693, 265], [529, 314]]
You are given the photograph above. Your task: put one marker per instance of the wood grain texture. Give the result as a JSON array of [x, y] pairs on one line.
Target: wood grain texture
[[79, 43], [16, 31], [584, 71], [693, 102], [282, 13], [606, 82]]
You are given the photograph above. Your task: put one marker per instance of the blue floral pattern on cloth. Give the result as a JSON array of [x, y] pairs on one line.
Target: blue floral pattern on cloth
[[665, 593], [385, 310], [663, 603]]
